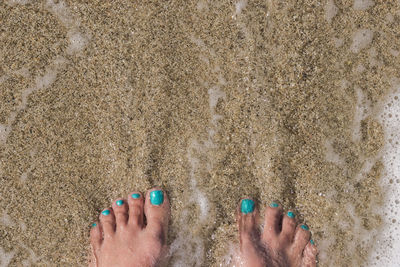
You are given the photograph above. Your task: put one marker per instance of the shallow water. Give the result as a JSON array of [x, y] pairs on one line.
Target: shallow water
[[288, 101]]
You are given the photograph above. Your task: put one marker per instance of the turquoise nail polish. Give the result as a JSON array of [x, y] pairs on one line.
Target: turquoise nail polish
[[105, 212], [312, 242], [291, 214], [120, 202], [135, 196], [156, 197], [94, 224], [247, 206], [305, 227], [274, 205]]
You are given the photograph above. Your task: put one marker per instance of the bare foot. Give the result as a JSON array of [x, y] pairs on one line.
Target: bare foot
[[133, 232], [282, 243]]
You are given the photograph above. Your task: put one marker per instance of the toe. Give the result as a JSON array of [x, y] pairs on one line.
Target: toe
[[273, 217], [246, 218], [310, 255], [288, 227], [301, 238], [135, 201], [157, 211], [95, 242], [120, 209], [95, 237], [107, 220]]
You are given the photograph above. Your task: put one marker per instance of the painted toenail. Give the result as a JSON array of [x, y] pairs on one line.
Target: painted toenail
[[247, 206], [274, 205], [312, 242], [94, 224], [120, 202], [305, 227], [135, 196], [291, 214], [105, 212], [156, 197]]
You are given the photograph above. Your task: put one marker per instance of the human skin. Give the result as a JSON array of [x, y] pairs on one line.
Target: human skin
[[122, 238]]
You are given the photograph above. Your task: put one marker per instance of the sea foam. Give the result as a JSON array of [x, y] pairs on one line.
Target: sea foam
[[387, 244]]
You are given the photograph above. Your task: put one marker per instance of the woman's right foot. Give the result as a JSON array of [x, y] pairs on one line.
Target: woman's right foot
[[282, 243]]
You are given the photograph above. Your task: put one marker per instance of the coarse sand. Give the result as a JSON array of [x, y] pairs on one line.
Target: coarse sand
[[212, 100]]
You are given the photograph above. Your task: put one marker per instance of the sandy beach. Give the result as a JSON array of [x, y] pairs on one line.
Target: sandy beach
[[213, 100]]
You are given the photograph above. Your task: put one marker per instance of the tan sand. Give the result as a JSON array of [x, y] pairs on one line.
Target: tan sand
[[212, 100]]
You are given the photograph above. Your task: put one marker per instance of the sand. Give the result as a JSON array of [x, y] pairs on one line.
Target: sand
[[212, 100]]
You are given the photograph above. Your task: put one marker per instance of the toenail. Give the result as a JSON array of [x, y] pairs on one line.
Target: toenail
[[105, 212], [291, 214], [94, 224], [274, 205], [305, 227], [156, 197], [135, 196], [312, 242], [247, 206], [119, 202]]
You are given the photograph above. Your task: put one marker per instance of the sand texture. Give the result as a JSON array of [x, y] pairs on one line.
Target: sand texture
[[212, 100]]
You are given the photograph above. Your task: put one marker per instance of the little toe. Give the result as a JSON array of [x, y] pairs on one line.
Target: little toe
[[301, 238], [120, 209], [135, 202], [107, 220], [310, 255], [273, 217], [288, 227], [246, 219], [95, 237], [157, 211]]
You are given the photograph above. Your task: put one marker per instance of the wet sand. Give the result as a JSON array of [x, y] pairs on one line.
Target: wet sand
[[213, 101]]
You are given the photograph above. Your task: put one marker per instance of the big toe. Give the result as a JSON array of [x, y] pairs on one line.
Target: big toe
[[157, 211], [247, 220]]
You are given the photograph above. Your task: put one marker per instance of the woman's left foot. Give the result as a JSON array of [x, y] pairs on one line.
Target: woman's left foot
[[132, 232]]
